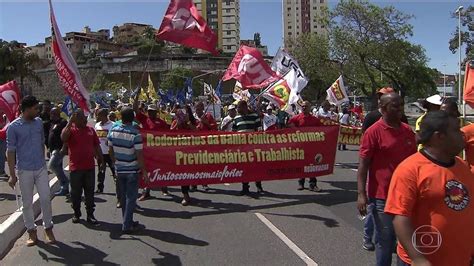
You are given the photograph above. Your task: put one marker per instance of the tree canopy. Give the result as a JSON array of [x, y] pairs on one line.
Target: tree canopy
[[17, 61]]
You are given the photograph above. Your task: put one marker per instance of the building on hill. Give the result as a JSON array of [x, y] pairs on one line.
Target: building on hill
[[129, 32]]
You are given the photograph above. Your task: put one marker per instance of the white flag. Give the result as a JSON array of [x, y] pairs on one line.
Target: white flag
[[337, 92], [283, 63], [207, 89]]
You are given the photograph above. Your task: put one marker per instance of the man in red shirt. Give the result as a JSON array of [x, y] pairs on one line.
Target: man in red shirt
[[384, 145], [306, 119], [149, 121], [83, 145]]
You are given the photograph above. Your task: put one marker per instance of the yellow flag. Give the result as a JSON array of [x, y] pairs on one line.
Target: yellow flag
[[151, 89], [143, 97]]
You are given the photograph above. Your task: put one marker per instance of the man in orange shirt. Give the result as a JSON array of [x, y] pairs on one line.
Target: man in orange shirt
[[429, 196]]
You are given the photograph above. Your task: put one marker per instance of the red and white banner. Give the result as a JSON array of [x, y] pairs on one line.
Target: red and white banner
[[250, 69], [184, 24], [350, 135], [66, 67], [337, 92], [193, 158], [10, 99]]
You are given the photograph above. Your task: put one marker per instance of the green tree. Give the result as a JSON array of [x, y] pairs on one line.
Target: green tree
[[312, 53], [17, 61], [370, 42], [467, 33], [101, 83], [147, 41], [175, 78]]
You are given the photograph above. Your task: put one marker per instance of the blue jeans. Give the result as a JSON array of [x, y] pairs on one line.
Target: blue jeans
[[56, 166], [3, 150], [128, 184], [400, 262], [385, 240], [369, 224]]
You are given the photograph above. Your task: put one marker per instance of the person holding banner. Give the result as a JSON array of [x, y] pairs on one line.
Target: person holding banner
[[306, 119], [25, 155], [384, 145], [247, 122], [269, 119], [149, 121], [226, 124], [184, 120]]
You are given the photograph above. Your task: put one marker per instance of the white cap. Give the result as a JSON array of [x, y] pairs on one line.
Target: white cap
[[435, 99], [231, 107], [269, 107]]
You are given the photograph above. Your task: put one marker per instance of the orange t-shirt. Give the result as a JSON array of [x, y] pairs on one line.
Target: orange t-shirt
[[434, 196], [469, 139]]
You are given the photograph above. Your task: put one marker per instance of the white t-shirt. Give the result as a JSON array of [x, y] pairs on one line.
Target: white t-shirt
[[323, 114], [102, 132], [226, 120], [269, 120]]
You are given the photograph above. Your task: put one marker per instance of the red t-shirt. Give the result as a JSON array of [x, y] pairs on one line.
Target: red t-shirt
[[210, 119], [387, 147], [151, 124], [302, 120], [82, 144]]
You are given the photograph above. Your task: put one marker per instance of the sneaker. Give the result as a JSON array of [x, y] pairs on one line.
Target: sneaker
[[76, 219], [132, 230], [315, 189], [32, 238], [144, 196], [205, 187], [92, 220], [301, 187], [119, 205], [260, 190], [368, 245], [98, 191], [49, 236], [186, 200]]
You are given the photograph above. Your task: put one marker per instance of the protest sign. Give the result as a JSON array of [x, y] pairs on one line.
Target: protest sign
[[350, 135]]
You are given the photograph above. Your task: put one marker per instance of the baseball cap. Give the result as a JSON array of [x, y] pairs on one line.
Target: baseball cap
[[231, 107], [269, 107], [435, 99]]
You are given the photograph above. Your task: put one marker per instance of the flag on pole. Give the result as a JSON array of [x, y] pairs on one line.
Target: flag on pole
[[151, 89], [250, 69], [181, 96], [68, 106], [469, 84], [337, 92], [66, 67], [278, 94], [283, 62], [184, 24], [143, 97], [218, 91], [240, 94], [189, 89], [207, 89]]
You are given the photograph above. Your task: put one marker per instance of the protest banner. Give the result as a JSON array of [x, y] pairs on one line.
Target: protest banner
[[350, 135], [193, 158]]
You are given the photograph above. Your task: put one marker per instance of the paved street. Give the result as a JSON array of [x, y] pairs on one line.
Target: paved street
[[221, 228]]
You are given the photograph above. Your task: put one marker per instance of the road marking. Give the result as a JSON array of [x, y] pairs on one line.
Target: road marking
[[286, 240]]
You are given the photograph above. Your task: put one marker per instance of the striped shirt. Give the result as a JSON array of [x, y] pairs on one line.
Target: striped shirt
[[125, 140], [246, 123]]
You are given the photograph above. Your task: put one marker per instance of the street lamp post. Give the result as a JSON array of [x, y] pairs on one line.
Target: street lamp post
[[458, 11]]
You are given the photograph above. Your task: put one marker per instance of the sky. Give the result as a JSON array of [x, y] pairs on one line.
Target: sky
[[28, 21]]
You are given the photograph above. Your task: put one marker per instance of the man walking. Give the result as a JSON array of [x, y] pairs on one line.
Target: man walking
[[83, 145], [247, 122], [55, 144], [305, 119], [384, 145], [102, 128], [126, 147], [25, 155], [430, 198]]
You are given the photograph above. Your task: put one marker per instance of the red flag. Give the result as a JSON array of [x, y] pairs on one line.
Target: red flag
[[184, 25], [249, 67], [10, 99], [469, 84], [66, 67]]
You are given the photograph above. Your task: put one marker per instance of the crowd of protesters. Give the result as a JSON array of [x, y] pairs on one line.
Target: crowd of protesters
[[399, 189]]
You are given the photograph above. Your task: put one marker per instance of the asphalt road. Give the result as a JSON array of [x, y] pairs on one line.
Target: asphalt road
[[221, 228]]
